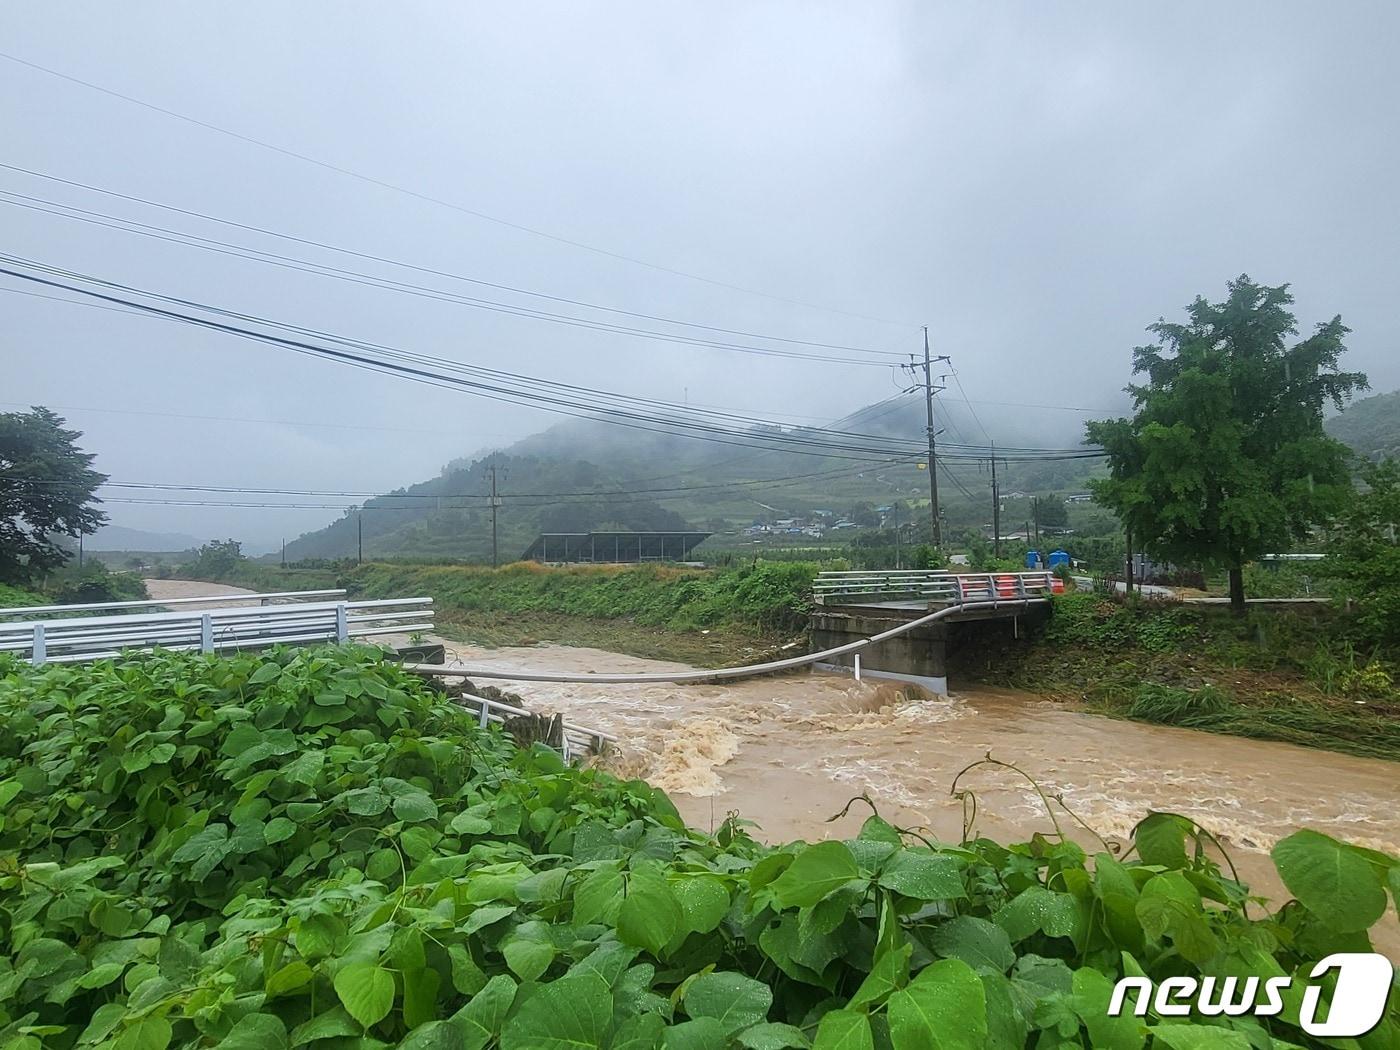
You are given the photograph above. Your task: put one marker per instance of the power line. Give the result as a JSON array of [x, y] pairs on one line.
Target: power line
[[568, 399], [421, 291], [406, 265], [397, 188], [773, 438]]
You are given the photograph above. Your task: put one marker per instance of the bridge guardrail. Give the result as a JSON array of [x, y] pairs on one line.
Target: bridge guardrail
[[934, 586], [212, 630], [28, 612], [576, 739]]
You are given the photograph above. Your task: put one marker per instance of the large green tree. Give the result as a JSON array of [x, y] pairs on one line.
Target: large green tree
[[1364, 554], [1225, 457], [47, 490]]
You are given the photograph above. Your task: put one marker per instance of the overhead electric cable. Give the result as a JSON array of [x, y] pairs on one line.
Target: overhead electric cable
[[428, 198]]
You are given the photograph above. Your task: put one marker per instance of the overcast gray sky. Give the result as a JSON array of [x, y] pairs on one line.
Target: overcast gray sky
[[1035, 182]]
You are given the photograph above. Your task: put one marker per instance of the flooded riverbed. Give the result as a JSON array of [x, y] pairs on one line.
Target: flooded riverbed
[[789, 752]]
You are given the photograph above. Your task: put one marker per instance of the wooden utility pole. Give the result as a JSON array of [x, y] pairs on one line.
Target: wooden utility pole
[[495, 504]]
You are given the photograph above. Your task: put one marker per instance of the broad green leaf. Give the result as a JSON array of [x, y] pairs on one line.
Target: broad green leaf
[[1093, 992], [99, 976], [572, 1013], [598, 897], [481, 1019], [771, 1035], [289, 978], [1161, 839], [529, 951], [1171, 906], [1038, 909], [704, 902], [814, 873], [1341, 888], [844, 1030], [944, 1008], [278, 829], [649, 916], [367, 991], [256, 1032], [924, 875], [148, 1033], [889, 974], [981, 944], [703, 1033], [732, 999]]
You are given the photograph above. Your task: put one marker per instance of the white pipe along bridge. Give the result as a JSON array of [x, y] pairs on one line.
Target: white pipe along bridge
[[897, 621]]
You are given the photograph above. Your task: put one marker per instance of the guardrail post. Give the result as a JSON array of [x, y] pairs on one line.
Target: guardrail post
[[342, 623], [857, 665], [40, 653], [206, 633]]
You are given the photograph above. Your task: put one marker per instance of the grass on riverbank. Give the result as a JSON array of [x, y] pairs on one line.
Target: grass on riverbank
[[1283, 675]]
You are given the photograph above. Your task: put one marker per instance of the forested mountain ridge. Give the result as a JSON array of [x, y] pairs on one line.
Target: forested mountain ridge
[[1371, 426], [657, 481]]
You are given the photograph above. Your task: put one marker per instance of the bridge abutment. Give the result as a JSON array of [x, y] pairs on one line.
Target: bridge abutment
[[920, 655]]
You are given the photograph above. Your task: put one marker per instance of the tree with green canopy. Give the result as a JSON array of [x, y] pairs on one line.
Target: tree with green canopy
[[47, 490], [1364, 555], [1225, 458]]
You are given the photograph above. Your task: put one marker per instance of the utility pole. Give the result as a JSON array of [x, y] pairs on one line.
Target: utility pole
[[80, 550], [284, 553], [495, 503], [929, 391], [996, 508], [360, 536], [1128, 575]]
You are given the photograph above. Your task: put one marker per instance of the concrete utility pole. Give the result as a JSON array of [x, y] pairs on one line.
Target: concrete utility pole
[[495, 503], [360, 536], [932, 448], [996, 509]]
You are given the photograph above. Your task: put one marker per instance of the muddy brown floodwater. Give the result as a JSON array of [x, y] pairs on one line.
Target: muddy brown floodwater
[[789, 752]]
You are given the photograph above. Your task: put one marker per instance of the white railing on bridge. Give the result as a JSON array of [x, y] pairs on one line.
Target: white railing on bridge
[[576, 740], [934, 586], [212, 630], [28, 612]]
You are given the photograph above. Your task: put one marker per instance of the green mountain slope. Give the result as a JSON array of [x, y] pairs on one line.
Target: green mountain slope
[[1370, 426], [584, 474]]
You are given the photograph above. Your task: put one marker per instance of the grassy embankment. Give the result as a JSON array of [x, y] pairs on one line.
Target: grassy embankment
[[1295, 676], [13, 597], [705, 617]]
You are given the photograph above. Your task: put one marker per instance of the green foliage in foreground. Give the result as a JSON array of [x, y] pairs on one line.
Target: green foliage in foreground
[[312, 849]]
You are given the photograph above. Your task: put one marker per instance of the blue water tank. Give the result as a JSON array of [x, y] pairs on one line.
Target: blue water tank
[[1032, 559], [1058, 557]]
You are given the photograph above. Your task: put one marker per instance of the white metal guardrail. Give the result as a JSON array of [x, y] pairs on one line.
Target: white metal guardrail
[[212, 630], [28, 612], [577, 740], [931, 585]]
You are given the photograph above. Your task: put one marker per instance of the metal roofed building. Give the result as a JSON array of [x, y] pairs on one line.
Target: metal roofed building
[[613, 547]]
